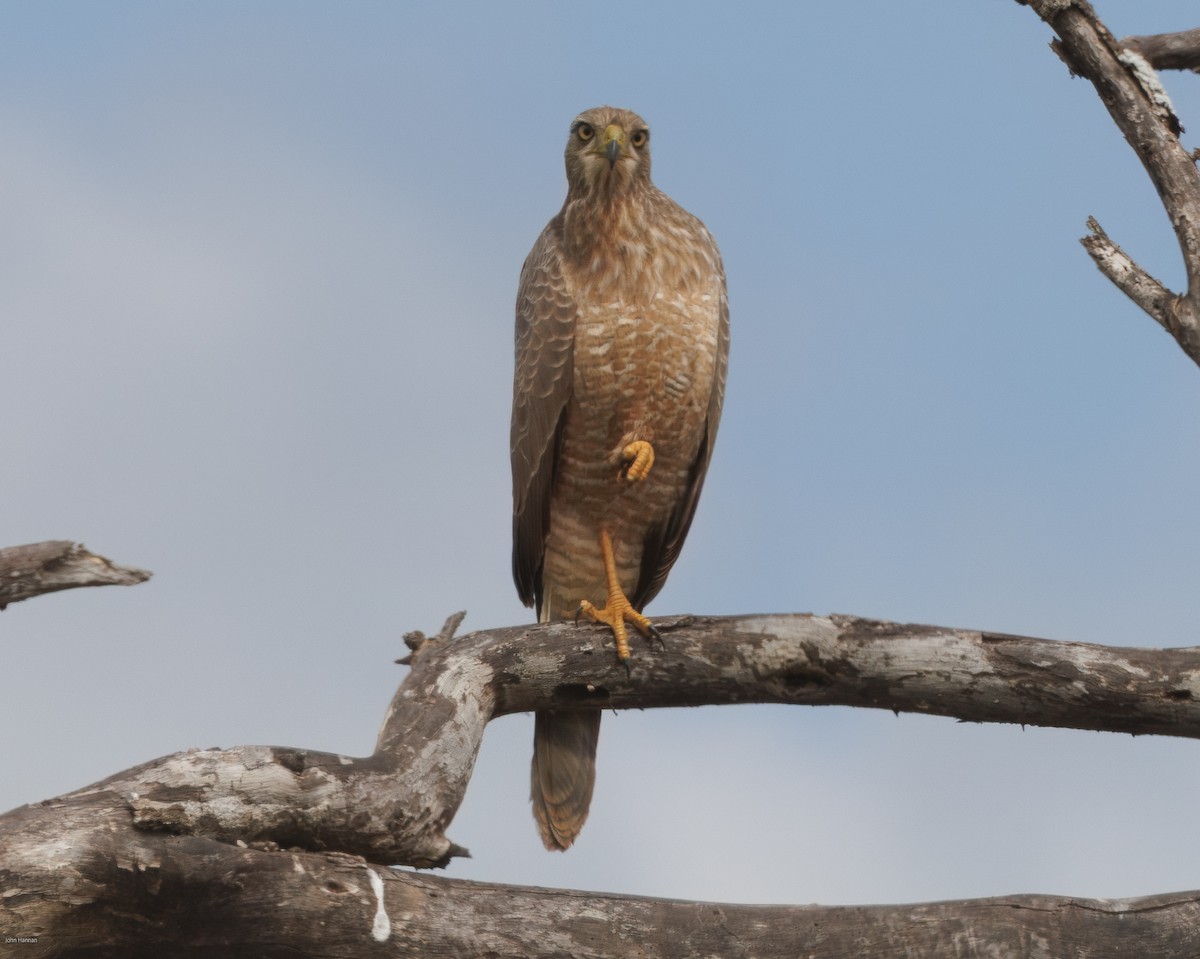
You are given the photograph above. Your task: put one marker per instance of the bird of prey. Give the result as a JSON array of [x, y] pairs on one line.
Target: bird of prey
[[622, 338]]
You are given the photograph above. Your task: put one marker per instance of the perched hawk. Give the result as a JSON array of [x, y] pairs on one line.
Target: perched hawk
[[621, 346]]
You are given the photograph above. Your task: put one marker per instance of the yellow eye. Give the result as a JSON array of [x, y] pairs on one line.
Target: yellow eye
[[639, 138], [584, 131]]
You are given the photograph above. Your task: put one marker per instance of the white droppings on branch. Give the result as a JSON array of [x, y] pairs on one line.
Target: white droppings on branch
[[381, 928]]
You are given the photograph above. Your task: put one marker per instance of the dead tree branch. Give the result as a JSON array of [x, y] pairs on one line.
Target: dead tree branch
[[28, 571], [1168, 51], [189, 897], [192, 815], [1124, 78], [393, 807]]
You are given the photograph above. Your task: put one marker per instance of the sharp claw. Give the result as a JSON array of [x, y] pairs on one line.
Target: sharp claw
[[639, 458], [628, 668]]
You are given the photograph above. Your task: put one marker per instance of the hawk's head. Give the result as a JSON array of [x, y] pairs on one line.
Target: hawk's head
[[608, 152]]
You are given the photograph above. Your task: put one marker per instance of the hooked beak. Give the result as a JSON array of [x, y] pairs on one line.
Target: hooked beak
[[614, 143]]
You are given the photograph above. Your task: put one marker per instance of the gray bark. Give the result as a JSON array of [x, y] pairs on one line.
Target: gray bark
[[28, 571], [159, 853], [1169, 51], [1127, 84], [172, 896]]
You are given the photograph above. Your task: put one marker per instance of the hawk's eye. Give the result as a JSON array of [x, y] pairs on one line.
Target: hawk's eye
[[639, 138], [584, 131]]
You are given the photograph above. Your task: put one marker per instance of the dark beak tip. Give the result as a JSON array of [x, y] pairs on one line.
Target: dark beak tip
[[613, 152]]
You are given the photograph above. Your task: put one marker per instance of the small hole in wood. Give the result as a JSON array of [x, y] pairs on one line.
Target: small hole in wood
[[580, 693]]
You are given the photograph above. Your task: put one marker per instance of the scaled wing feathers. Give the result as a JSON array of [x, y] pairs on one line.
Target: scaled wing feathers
[[542, 387]]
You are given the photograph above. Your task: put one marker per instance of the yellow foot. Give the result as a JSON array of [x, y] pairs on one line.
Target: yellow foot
[[618, 610], [615, 615], [639, 457]]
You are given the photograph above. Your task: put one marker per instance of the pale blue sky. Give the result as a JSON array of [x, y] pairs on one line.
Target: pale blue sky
[[242, 350]]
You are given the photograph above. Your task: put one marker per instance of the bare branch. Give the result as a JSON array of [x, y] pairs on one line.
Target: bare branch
[[159, 852], [28, 571], [1126, 82], [195, 897], [394, 806], [1131, 279], [1169, 51]]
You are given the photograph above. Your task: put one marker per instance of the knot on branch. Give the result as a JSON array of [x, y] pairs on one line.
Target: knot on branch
[[420, 644]]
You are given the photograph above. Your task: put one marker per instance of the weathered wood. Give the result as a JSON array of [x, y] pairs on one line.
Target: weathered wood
[[37, 568], [395, 805], [187, 897], [1128, 86], [1169, 51], [156, 858], [1143, 289]]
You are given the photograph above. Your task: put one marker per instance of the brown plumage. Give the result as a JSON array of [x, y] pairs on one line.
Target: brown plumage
[[622, 338]]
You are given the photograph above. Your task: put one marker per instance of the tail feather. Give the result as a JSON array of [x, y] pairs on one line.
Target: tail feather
[[563, 773]]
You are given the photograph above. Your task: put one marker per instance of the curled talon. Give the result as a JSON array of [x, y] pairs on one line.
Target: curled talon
[[639, 457]]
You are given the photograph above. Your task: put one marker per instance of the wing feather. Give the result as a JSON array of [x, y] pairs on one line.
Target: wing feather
[[543, 380]]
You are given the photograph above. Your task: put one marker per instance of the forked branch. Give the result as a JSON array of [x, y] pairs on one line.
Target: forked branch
[[1168, 51], [186, 826], [395, 805], [1125, 79]]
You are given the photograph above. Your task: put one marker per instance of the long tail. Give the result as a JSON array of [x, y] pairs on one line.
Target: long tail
[[563, 773], [564, 755]]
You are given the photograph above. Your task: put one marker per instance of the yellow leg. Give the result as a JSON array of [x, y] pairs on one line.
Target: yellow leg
[[639, 455], [618, 610]]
